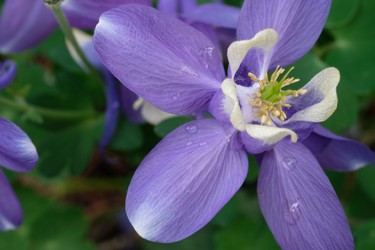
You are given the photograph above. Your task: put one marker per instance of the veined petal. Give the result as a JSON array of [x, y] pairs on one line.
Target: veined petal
[[320, 101], [216, 14], [338, 153], [185, 180], [23, 24], [8, 71], [298, 201], [10, 208], [17, 152], [298, 23], [264, 40], [161, 59], [88, 18]]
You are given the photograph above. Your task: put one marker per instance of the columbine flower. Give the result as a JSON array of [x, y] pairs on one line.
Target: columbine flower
[[17, 153], [193, 172], [24, 24]]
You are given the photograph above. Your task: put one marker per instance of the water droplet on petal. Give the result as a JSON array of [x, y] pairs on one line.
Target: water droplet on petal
[[292, 211], [188, 143], [290, 163], [176, 96], [191, 129], [202, 144]]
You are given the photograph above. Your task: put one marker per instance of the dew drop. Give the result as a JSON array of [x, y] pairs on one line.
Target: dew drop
[[175, 97], [202, 144], [292, 211], [189, 143], [290, 163], [191, 129]]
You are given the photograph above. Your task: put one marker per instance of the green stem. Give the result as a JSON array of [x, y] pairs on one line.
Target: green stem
[[54, 5], [46, 112]]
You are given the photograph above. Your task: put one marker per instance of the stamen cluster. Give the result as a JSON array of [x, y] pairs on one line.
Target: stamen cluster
[[270, 98]]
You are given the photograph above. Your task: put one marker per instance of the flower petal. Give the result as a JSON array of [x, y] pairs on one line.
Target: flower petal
[[112, 109], [88, 18], [153, 115], [17, 152], [84, 40], [320, 101], [298, 201], [264, 40], [169, 7], [161, 59], [298, 23], [216, 14], [10, 208], [185, 180], [269, 135], [23, 24], [8, 71], [128, 99], [338, 153]]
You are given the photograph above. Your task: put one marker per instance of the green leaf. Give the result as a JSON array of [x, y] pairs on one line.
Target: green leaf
[[128, 137], [47, 225], [366, 180], [69, 148], [365, 236]]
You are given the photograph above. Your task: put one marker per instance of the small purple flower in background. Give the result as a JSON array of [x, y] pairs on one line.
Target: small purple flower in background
[[17, 153], [135, 109], [193, 172], [216, 20], [24, 24]]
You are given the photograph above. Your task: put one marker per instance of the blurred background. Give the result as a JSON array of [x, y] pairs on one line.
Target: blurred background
[[75, 197]]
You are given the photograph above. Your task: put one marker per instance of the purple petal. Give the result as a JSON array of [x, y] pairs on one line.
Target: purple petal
[[17, 152], [298, 23], [210, 32], [10, 208], [216, 14], [298, 201], [169, 7], [185, 180], [338, 153], [112, 109], [88, 18], [188, 5], [8, 71], [161, 59], [127, 100], [23, 24]]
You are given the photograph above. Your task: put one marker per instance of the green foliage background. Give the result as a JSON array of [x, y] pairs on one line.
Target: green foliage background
[[74, 198]]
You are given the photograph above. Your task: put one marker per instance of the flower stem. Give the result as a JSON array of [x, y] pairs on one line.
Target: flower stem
[[46, 112], [54, 5]]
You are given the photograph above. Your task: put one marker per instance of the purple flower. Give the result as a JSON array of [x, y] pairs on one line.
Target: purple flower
[[24, 24], [193, 172], [17, 153], [216, 20]]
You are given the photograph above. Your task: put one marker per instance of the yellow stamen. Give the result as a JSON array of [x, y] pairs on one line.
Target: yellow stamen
[[270, 98]]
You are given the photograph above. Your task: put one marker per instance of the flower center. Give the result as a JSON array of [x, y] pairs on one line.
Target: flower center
[[270, 98]]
